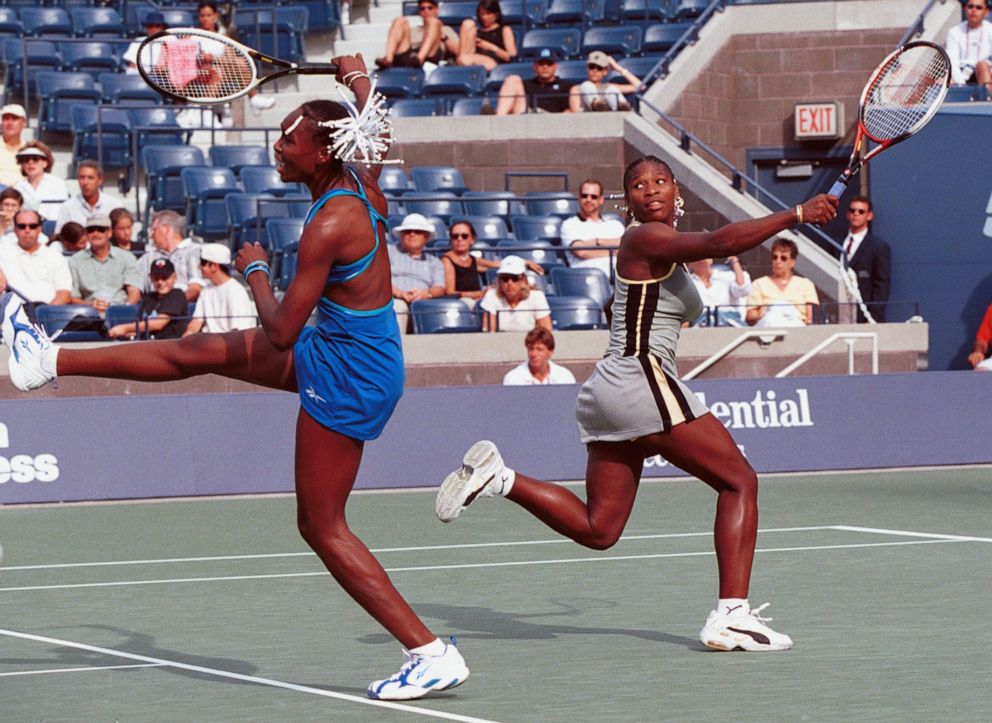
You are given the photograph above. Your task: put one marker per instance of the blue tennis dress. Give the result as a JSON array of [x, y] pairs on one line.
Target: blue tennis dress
[[349, 367]]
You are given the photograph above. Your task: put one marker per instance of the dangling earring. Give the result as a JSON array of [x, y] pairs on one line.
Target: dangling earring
[[679, 211]]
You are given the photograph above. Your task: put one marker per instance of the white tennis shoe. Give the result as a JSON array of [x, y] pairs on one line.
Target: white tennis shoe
[[422, 674], [482, 474], [28, 344], [742, 631]]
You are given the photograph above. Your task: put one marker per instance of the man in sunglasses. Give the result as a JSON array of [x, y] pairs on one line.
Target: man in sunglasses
[[588, 235], [869, 257], [104, 274], [411, 45], [38, 272], [969, 46], [544, 93]]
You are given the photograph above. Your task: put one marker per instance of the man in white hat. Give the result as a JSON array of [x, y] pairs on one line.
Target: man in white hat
[[13, 119], [223, 305], [416, 275]]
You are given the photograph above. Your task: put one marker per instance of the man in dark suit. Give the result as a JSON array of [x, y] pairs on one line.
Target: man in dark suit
[[869, 257]]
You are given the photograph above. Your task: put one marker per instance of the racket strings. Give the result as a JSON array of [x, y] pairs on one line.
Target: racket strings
[[196, 68], [905, 93]]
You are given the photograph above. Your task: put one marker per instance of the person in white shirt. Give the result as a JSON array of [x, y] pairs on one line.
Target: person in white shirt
[[539, 369], [154, 22], [90, 200], [513, 305], [589, 229], [721, 292], [38, 272], [168, 235], [223, 305], [41, 191], [969, 46]]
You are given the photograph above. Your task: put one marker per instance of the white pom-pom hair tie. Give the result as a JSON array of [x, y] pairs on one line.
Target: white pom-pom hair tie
[[362, 136]]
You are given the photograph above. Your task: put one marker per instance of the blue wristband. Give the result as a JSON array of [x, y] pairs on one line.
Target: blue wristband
[[257, 266]]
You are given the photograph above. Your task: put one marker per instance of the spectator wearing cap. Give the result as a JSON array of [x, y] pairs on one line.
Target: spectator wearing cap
[[595, 93], [587, 233], [154, 22], [103, 274], [91, 198], [415, 44], [168, 235], [163, 313], [416, 275], [122, 230], [223, 304], [545, 92], [42, 191], [40, 273], [513, 305], [13, 119], [539, 369]]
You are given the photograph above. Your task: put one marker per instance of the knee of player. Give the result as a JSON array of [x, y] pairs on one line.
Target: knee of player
[[319, 531], [603, 538]]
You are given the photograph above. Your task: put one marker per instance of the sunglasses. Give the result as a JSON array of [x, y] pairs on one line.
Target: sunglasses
[[508, 277], [96, 229], [974, 7], [30, 159], [458, 236], [858, 211], [781, 257], [594, 67], [23, 226], [589, 195]]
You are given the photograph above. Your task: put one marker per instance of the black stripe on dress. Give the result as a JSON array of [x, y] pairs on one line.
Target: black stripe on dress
[[651, 293], [659, 400], [677, 393], [634, 292]]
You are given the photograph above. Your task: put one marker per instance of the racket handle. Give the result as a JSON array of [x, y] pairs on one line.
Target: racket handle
[[839, 186], [322, 69]]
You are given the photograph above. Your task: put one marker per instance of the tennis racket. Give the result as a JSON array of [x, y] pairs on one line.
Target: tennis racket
[[198, 66], [901, 97]]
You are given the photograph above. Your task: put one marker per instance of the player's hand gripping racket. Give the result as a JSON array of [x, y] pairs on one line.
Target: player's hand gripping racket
[[188, 64], [901, 97]]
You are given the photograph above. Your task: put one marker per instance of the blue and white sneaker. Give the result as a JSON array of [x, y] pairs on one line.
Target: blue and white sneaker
[[28, 344], [422, 674], [742, 630]]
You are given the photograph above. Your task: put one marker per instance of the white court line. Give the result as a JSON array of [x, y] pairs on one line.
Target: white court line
[[81, 670], [464, 566], [909, 533], [383, 550], [245, 678]]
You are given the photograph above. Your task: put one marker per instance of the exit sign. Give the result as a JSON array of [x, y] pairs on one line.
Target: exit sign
[[819, 120]]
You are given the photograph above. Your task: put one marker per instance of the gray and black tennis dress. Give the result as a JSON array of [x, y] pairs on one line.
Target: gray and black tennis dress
[[635, 390]]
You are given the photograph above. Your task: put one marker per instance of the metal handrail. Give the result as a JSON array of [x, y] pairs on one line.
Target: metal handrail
[[765, 336], [850, 337], [916, 29]]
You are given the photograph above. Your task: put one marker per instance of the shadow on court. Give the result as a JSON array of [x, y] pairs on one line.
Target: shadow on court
[[479, 623]]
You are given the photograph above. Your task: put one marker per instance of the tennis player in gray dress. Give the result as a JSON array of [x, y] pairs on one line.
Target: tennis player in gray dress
[[634, 406]]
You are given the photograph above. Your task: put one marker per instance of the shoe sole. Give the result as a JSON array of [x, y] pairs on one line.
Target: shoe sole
[[452, 497], [427, 691], [715, 645]]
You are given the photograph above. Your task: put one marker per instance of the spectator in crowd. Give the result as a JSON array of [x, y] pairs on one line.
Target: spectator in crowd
[[782, 299], [721, 293], [90, 199], [71, 239], [208, 18], [539, 369], [164, 311], [168, 233], [869, 257], [596, 94], [13, 119], [345, 12], [154, 22], [545, 92], [969, 46], [38, 272], [122, 228], [512, 305], [416, 275], [486, 41], [411, 45], [223, 304], [462, 270], [104, 274], [589, 229], [42, 191], [979, 358], [11, 202]]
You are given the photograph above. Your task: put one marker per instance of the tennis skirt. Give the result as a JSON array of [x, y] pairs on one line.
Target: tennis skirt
[[629, 397]]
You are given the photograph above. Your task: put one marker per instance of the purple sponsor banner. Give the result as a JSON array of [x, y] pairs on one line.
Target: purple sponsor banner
[[75, 449]]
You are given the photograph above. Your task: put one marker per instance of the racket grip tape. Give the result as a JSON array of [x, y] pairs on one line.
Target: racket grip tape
[[840, 185]]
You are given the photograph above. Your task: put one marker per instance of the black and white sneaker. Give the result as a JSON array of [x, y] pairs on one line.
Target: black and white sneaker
[[742, 631]]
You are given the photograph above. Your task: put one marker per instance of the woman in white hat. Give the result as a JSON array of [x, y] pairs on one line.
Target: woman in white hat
[[513, 305], [42, 192], [595, 93]]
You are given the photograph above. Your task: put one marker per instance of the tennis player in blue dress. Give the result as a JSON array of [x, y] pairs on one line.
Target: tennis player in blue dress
[[347, 370]]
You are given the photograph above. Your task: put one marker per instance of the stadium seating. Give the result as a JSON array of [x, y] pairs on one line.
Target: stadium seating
[[277, 32], [204, 189], [399, 82], [574, 12], [660, 37], [156, 125], [443, 316], [492, 203], [620, 41], [570, 313], [27, 56], [536, 228], [417, 107], [690, 9], [103, 134], [470, 106], [393, 181], [163, 165], [566, 41], [501, 72], [97, 22], [443, 204], [589, 282], [235, 157], [487, 228], [265, 179], [247, 214], [287, 266], [455, 80], [634, 10], [551, 203], [58, 93], [542, 252], [49, 22], [125, 87], [454, 12], [93, 57], [121, 314], [55, 318], [428, 179]]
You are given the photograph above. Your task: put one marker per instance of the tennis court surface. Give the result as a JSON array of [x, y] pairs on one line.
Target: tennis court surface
[[214, 610]]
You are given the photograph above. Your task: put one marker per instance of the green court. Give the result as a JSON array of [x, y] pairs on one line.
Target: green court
[[213, 610]]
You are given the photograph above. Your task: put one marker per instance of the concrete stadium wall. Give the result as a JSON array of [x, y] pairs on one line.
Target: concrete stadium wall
[[54, 450]]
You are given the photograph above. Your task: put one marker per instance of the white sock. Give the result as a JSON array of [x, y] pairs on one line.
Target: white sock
[[432, 649], [733, 605], [49, 359], [507, 478]]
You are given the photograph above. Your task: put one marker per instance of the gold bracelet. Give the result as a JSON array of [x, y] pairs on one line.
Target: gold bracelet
[[799, 214], [350, 78]]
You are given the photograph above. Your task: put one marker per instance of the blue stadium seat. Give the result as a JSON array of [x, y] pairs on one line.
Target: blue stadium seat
[[287, 267], [281, 234], [454, 12], [660, 38], [125, 87], [492, 203], [635, 10], [93, 57], [566, 40], [93, 22], [621, 41], [455, 80], [417, 107], [103, 134], [443, 204], [582, 282], [57, 319], [163, 165], [277, 32], [49, 22], [540, 251], [487, 228], [265, 179], [10, 25], [321, 14], [533, 228], [156, 125], [523, 13], [575, 312], [524, 68], [690, 9], [574, 12], [393, 181], [135, 12], [428, 179], [399, 82], [247, 214], [639, 66], [235, 157], [574, 71], [58, 93], [444, 316], [204, 189], [966, 93], [121, 314], [470, 106], [551, 203], [39, 55]]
